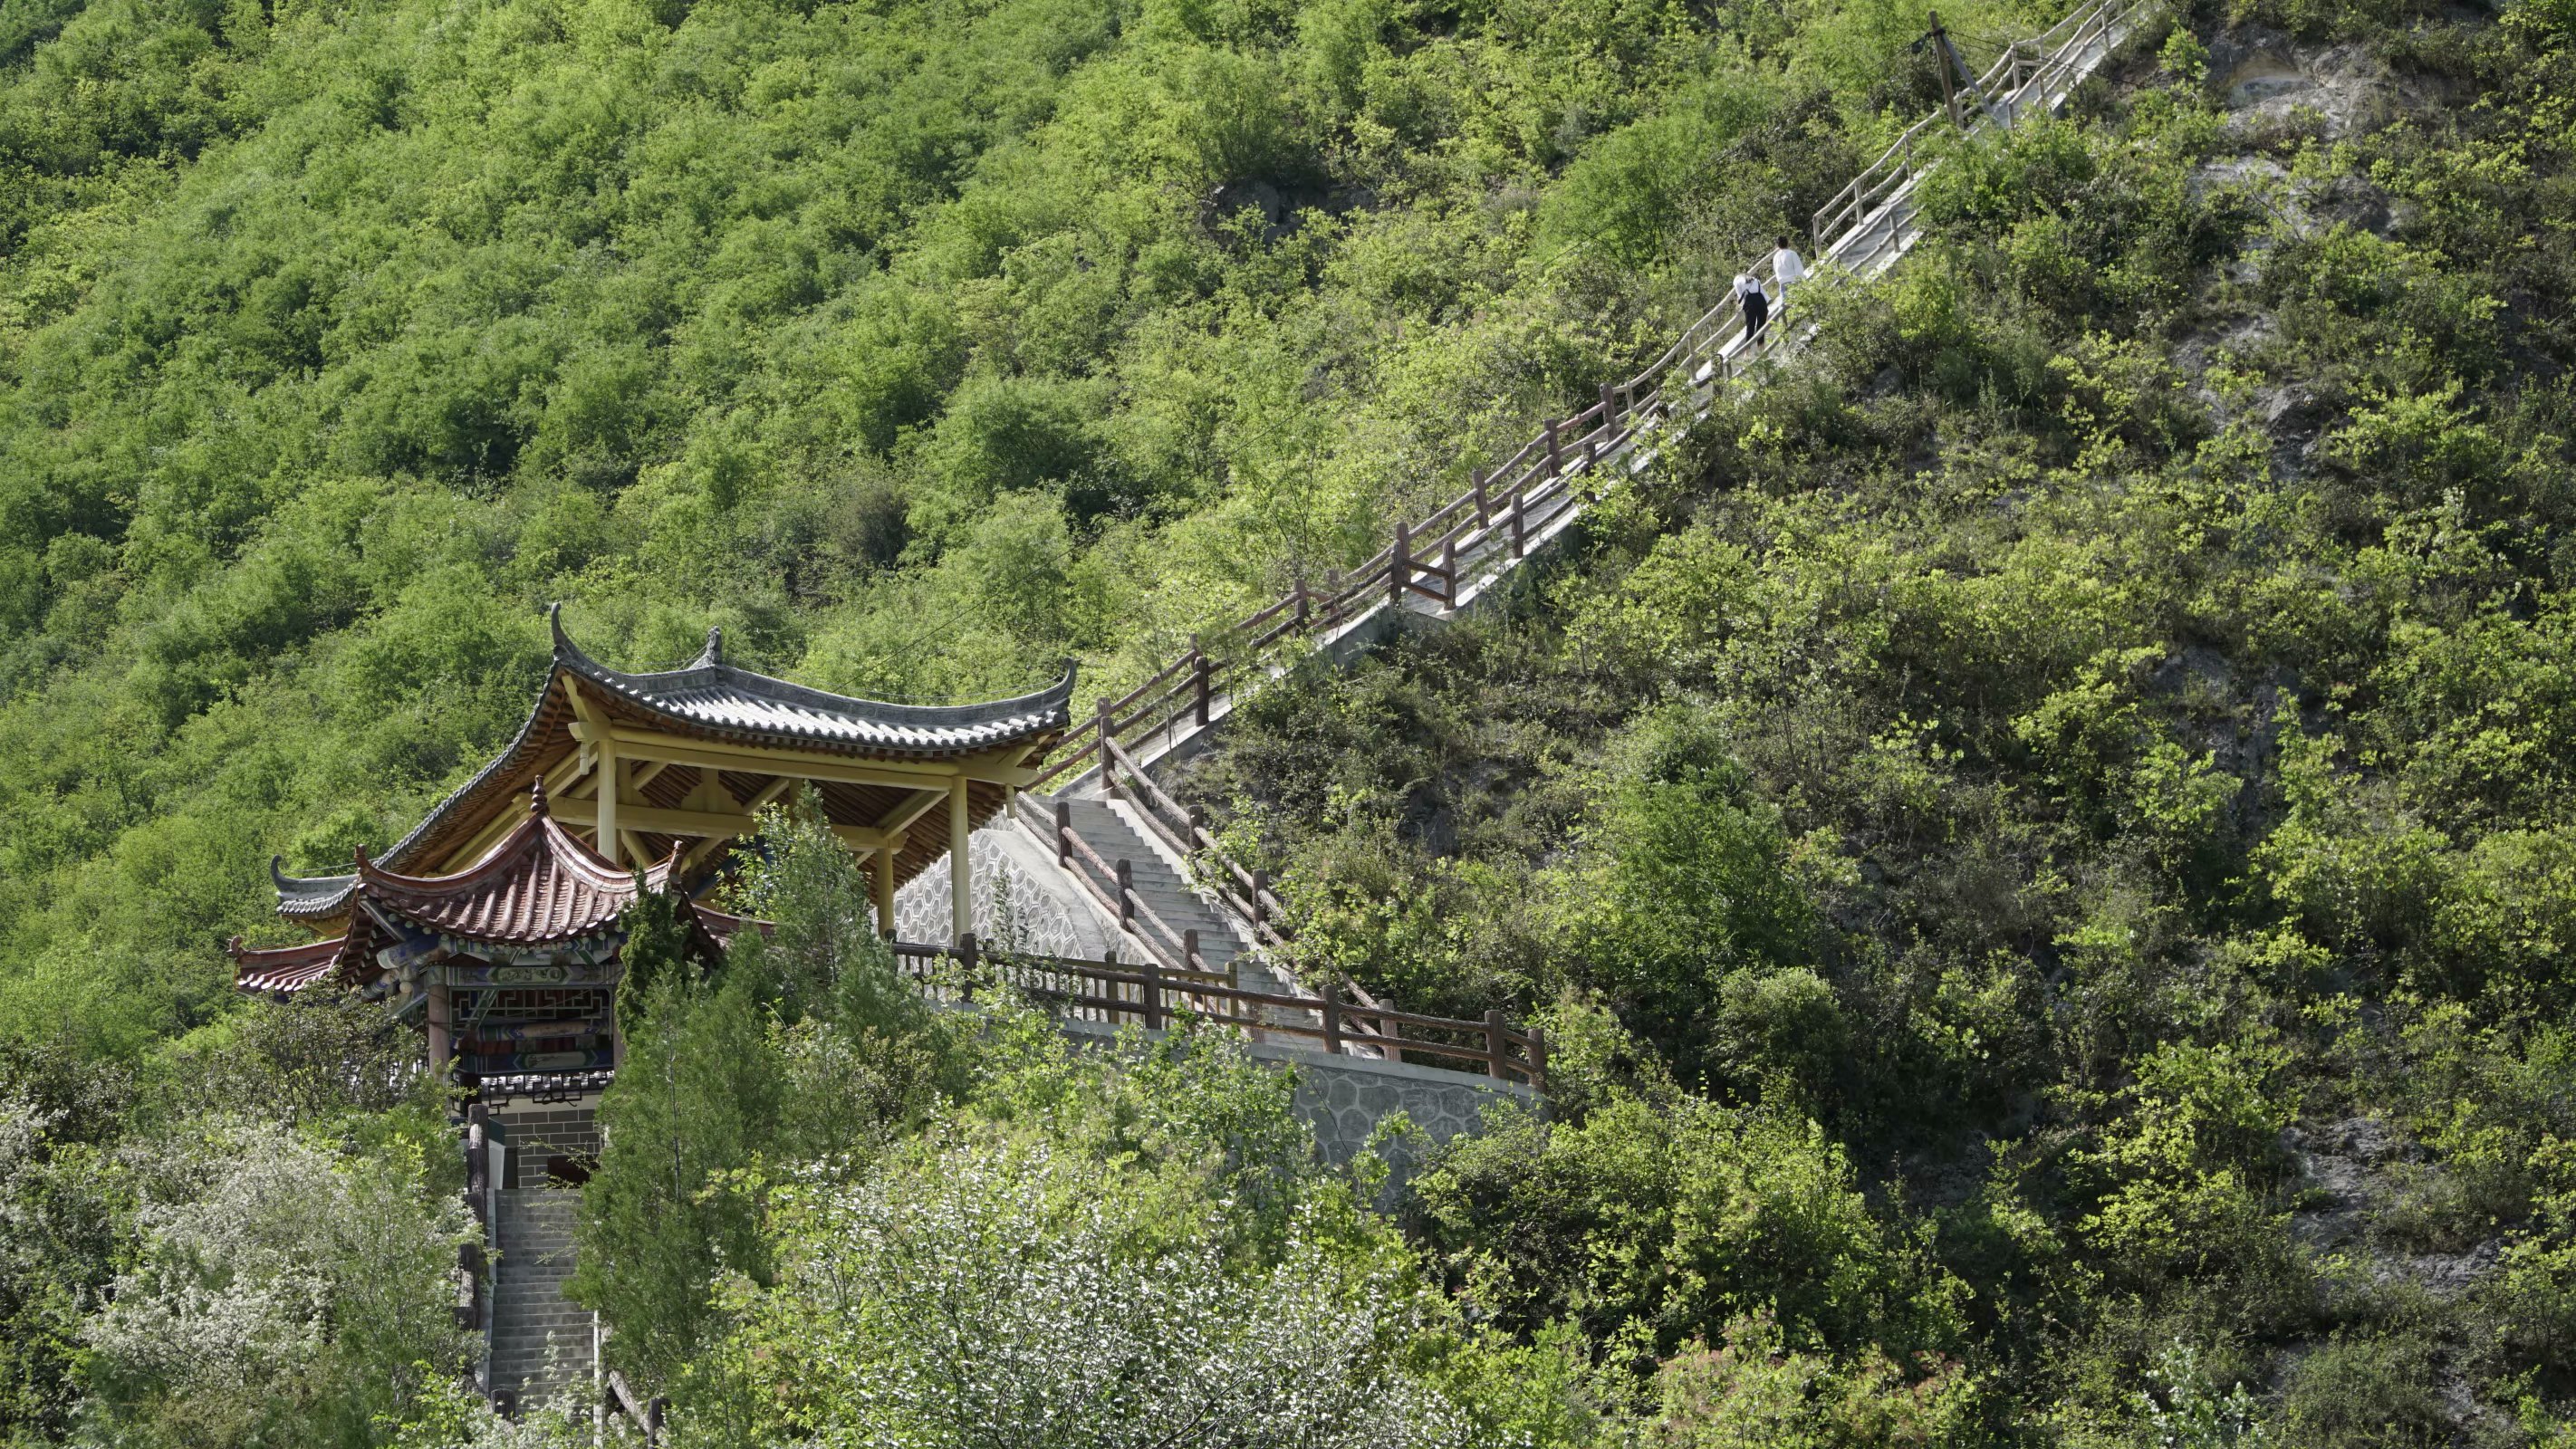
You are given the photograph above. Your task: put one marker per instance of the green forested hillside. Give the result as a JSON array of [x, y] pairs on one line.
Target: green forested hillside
[[918, 344], [2042, 834], [2092, 737]]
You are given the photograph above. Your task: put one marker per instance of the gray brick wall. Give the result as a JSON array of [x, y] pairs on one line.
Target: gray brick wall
[[535, 1133]]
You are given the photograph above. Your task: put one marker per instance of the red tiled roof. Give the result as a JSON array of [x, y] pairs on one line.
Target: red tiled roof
[[283, 969], [538, 884], [720, 928]]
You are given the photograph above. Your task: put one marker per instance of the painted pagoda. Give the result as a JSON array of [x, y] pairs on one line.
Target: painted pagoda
[[496, 918]]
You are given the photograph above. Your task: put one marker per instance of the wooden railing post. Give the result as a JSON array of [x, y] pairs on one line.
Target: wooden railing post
[[1297, 593], [1064, 834], [1198, 827], [1190, 949], [1520, 520], [1199, 683], [1538, 1057], [1476, 480], [1108, 775], [1332, 1009], [1153, 975], [1260, 907], [1609, 408], [967, 957], [1497, 1063], [1555, 461], [1126, 896], [1449, 566], [1399, 564]]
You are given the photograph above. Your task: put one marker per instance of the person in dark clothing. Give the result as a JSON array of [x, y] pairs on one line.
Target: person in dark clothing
[[1757, 305]]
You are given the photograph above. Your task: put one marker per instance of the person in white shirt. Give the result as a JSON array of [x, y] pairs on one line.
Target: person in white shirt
[[1789, 267]]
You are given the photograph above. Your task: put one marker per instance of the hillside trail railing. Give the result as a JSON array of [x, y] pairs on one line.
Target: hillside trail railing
[[1113, 992], [1448, 555], [1244, 894]]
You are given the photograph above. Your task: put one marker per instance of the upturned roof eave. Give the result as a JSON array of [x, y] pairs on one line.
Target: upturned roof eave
[[1046, 713], [1044, 709]]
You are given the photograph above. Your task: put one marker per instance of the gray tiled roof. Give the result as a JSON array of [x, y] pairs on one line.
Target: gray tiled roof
[[713, 697], [309, 895]]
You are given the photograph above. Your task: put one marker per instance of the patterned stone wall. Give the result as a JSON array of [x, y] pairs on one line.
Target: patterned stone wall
[[1345, 1098]]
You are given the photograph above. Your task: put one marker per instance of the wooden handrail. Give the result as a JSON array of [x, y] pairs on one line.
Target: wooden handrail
[[647, 1414], [1508, 1053], [1126, 905]]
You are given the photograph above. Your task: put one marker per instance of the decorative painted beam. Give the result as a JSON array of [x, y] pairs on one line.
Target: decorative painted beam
[[720, 824]]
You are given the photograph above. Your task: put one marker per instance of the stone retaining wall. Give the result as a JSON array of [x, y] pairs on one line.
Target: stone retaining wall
[[1345, 1098]]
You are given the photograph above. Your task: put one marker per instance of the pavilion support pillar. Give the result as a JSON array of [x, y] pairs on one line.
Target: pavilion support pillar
[[881, 879], [611, 777], [961, 868], [441, 1024]]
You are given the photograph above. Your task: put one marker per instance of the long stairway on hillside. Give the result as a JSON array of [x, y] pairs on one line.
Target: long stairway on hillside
[[541, 1340], [1454, 558], [1112, 830]]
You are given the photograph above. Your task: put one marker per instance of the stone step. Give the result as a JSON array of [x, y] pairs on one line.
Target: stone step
[[571, 1329]]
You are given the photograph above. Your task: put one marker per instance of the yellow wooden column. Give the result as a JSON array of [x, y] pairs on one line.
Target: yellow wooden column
[[961, 869], [881, 876], [610, 777]]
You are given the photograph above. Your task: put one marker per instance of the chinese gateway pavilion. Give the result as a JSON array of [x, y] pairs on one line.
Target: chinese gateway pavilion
[[499, 913]]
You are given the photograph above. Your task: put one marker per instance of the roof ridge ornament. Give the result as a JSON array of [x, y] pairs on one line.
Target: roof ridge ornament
[[537, 797], [713, 654]]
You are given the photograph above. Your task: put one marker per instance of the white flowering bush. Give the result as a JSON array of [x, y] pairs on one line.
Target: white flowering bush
[[990, 1287], [277, 1288]]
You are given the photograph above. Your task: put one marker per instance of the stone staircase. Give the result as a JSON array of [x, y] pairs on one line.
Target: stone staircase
[[1111, 828], [541, 1340]]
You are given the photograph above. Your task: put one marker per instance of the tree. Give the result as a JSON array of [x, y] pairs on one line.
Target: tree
[[279, 1291], [993, 1284]]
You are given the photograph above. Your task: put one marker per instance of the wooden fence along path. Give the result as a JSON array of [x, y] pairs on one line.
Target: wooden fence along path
[[1114, 992], [1446, 559]]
